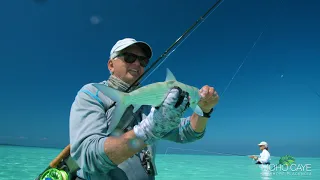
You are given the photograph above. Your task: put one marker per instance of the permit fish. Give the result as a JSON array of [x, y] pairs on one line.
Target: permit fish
[[152, 94]]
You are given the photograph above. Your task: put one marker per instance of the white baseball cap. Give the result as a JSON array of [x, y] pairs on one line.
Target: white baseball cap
[[126, 42], [263, 143]]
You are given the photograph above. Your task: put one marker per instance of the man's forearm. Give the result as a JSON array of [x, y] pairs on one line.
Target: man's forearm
[[198, 123], [119, 149]]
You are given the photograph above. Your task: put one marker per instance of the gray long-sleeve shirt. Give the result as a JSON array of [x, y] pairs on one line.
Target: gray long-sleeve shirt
[[89, 119]]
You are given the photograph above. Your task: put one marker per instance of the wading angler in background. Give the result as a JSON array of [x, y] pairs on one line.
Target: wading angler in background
[[106, 145], [264, 157]]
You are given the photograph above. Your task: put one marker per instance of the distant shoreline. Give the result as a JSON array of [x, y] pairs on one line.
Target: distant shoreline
[[17, 145], [162, 153]]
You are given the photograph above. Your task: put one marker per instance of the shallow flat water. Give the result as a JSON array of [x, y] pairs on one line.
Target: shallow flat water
[[17, 163]]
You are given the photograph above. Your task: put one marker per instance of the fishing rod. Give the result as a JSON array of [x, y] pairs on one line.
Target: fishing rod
[[66, 151], [175, 44]]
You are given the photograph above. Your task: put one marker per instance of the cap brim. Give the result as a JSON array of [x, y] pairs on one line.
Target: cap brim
[[145, 47], [262, 144]]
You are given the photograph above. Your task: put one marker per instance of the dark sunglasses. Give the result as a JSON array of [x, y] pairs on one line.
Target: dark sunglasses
[[130, 58]]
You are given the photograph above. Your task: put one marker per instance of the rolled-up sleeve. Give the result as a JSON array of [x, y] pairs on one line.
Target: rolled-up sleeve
[[88, 125], [184, 133]]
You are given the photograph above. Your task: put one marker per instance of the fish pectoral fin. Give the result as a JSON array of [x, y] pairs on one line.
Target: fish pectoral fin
[[116, 117], [170, 76]]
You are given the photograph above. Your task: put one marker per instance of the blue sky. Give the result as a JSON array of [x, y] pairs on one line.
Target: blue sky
[[50, 50]]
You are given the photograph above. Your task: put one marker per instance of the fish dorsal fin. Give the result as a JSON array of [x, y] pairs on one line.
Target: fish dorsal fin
[[170, 76]]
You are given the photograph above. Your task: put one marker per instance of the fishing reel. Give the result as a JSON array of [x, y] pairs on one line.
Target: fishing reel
[[54, 174], [61, 172], [147, 163]]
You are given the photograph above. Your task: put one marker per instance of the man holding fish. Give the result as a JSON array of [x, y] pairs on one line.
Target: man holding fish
[[119, 142]]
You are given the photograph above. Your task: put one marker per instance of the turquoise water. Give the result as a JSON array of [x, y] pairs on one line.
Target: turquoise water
[[17, 163]]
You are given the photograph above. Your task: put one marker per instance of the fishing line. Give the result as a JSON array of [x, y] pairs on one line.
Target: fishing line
[[210, 152], [201, 19], [235, 74], [246, 57], [315, 91], [311, 88]]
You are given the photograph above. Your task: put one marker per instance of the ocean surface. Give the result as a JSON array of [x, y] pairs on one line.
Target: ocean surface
[[25, 163]]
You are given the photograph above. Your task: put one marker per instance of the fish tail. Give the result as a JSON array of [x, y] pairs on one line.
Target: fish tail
[[113, 94], [116, 95]]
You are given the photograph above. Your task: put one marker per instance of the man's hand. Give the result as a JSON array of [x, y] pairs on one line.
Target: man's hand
[[161, 120], [209, 98], [253, 157]]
